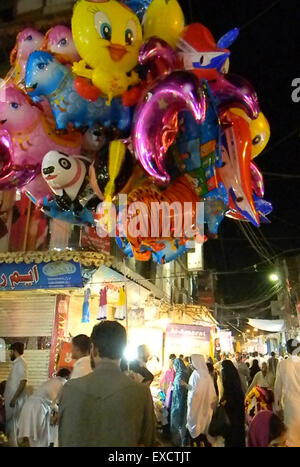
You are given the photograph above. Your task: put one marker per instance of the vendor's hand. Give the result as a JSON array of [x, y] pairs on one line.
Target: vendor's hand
[[12, 403], [54, 419], [182, 383]]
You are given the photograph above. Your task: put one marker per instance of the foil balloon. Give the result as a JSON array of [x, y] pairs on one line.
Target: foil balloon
[[257, 180], [67, 179], [31, 133], [83, 217], [46, 76], [108, 36], [164, 19], [138, 6], [159, 58], [59, 41], [234, 91], [200, 53], [235, 171], [27, 42], [156, 120], [260, 131]]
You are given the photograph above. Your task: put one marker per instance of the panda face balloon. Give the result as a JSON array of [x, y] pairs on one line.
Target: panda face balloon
[[64, 174]]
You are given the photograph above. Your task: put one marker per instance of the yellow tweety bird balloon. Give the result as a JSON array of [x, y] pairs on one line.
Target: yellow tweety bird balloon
[[260, 131], [164, 18], [108, 36]]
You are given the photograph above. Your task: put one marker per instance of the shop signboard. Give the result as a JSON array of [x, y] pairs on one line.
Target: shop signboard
[[52, 275], [187, 340]]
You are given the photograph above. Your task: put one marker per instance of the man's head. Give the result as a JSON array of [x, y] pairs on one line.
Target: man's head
[[264, 368], [293, 346], [143, 353], [272, 354], [223, 356], [64, 373], [238, 356], [186, 361], [81, 346], [108, 341], [181, 356], [16, 350]]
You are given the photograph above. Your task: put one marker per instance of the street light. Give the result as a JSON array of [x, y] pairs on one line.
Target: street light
[[274, 277], [248, 330], [255, 329]]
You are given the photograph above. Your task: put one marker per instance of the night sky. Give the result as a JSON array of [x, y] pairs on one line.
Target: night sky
[[267, 54]]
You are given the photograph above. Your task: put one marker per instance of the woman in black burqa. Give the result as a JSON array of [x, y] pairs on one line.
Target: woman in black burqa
[[233, 398]]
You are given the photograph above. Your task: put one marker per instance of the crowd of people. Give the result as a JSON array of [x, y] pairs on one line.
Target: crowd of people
[[237, 401]]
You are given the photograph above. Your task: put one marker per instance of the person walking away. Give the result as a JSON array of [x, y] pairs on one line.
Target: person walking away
[[266, 430], [81, 346], [287, 392], [166, 386], [202, 399], [35, 418], [272, 363], [15, 392], [255, 368], [106, 407], [232, 398], [179, 400], [189, 369], [243, 371]]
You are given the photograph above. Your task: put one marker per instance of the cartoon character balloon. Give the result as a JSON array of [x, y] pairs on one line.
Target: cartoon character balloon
[[27, 42], [67, 179], [46, 76], [31, 132], [59, 41], [108, 36]]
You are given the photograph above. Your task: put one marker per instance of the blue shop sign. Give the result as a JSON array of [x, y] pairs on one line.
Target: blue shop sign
[[53, 275]]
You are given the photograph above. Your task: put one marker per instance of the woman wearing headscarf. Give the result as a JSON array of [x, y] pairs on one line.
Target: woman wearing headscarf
[[232, 399], [179, 398], [266, 430], [202, 399], [254, 369]]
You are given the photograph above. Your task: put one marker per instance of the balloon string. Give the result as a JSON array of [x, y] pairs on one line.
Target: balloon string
[[259, 15]]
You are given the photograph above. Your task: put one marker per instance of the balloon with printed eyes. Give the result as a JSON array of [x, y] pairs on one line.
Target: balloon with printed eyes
[[31, 133], [44, 77], [27, 42], [59, 41], [108, 36]]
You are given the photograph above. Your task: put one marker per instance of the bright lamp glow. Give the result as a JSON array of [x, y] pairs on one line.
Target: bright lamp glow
[[274, 277], [248, 330]]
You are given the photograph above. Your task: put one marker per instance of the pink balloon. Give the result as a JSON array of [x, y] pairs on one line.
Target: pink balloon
[[235, 91], [159, 57], [27, 42], [31, 136], [59, 41], [155, 120], [257, 180]]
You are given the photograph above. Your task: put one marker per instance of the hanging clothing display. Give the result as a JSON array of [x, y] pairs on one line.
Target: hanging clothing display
[[121, 307], [102, 311], [86, 307]]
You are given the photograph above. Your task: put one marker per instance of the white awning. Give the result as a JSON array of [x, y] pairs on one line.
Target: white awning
[[271, 325]]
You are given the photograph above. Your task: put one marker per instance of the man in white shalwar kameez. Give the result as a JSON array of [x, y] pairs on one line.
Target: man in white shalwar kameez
[[202, 398], [35, 418], [287, 392], [15, 392]]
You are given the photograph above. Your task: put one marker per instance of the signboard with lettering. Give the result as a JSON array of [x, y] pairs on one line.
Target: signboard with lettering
[[187, 339], [53, 275]]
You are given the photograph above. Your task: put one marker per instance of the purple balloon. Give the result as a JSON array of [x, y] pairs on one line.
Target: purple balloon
[[13, 176], [257, 180], [155, 120], [235, 91], [158, 56]]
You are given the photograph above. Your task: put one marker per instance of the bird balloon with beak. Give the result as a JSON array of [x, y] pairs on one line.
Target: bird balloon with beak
[[67, 178]]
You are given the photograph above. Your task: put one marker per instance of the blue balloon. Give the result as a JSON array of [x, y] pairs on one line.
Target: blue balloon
[[138, 6], [46, 76], [51, 209]]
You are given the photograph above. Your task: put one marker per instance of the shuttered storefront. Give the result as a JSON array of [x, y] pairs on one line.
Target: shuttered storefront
[[30, 316]]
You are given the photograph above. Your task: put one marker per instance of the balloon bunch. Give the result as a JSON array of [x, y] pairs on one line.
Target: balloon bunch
[[112, 108]]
